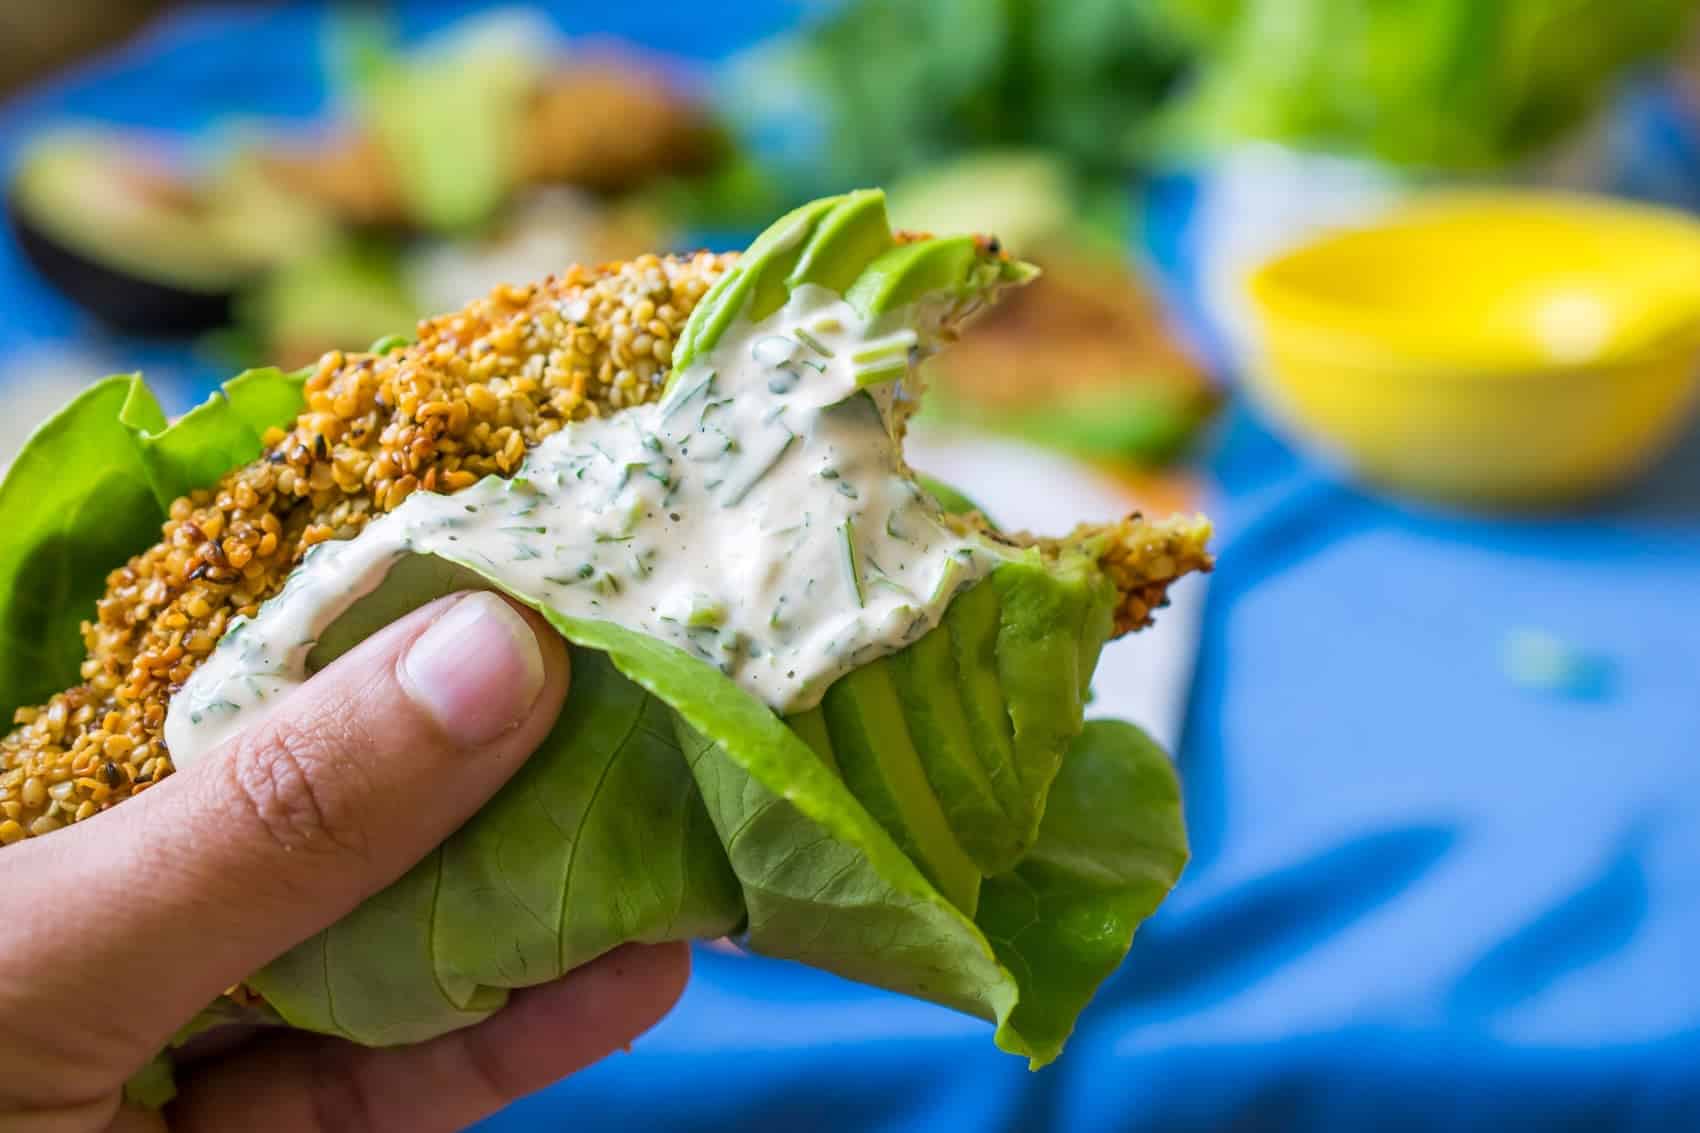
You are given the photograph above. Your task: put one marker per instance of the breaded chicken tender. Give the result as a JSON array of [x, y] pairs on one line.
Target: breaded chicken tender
[[468, 399]]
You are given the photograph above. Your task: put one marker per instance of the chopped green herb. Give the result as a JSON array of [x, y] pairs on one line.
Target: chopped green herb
[[688, 395], [848, 530], [891, 584], [814, 343], [877, 374], [761, 471], [706, 613]]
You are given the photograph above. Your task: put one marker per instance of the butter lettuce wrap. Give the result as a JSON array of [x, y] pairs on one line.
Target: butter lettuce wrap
[[865, 751]]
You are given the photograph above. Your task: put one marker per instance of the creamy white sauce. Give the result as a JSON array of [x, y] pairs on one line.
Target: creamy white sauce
[[756, 517]]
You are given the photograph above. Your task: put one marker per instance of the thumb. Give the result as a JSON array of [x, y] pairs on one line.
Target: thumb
[[344, 786]]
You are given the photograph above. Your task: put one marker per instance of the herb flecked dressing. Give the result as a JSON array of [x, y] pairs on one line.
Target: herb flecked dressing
[[756, 516]]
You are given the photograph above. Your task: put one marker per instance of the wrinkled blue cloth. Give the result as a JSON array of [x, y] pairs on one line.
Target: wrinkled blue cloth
[[1424, 893]]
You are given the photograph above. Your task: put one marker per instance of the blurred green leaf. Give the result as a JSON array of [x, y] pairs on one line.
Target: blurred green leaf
[[902, 83], [1447, 85]]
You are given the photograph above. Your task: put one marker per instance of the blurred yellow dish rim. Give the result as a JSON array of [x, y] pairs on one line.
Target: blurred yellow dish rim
[[1501, 349]]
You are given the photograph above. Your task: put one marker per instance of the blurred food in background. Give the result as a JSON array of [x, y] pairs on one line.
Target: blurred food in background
[[122, 223], [498, 150], [1018, 117], [1086, 363], [439, 139], [490, 153], [1082, 359]]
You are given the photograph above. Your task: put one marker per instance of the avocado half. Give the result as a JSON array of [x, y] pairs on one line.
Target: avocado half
[[136, 243]]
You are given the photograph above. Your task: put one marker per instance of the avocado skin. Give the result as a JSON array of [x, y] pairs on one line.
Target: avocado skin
[[123, 301]]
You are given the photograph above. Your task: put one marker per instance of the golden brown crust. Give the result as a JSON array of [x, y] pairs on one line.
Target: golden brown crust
[[1144, 557], [478, 389], [467, 400]]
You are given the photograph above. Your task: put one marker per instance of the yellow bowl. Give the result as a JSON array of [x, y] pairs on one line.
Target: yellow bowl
[[1489, 349]]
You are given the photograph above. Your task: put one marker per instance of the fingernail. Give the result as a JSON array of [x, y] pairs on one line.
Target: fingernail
[[477, 670]]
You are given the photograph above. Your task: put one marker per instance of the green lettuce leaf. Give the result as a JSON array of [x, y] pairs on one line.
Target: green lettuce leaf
[[1063, 919], [1446, 86], [668, 803], [89, 489]]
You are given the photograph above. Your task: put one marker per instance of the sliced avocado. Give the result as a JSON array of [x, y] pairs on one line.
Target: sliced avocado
[[1040, 620], [955, 266], [882, 769], [973, 619], [845, 241], [926, 678], [811, 728], [1149, 421], [760, 271]]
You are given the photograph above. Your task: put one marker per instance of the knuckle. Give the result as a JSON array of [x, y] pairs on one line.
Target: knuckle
[[278, 777]]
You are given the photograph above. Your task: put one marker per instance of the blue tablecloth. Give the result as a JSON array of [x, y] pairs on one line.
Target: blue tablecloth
[[1422, 894]]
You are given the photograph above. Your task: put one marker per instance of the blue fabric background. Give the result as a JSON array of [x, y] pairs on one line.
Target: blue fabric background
[[1422, 894]]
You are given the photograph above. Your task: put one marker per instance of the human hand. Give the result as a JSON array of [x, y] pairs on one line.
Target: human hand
[[115, 931]]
